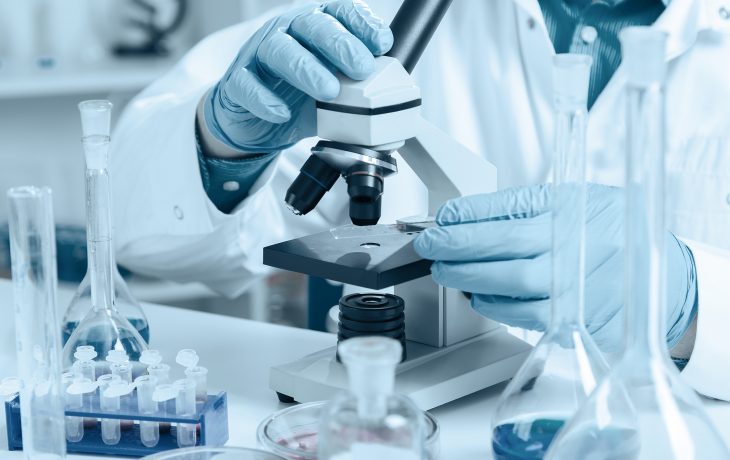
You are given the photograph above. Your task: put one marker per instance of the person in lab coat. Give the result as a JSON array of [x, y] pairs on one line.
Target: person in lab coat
[[203, 156]]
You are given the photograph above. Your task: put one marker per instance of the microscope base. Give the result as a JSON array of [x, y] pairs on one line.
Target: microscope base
[[430, 377]]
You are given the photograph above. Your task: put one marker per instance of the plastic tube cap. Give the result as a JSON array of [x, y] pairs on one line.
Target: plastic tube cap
[[117, 356], [150, 357], [85, 353], [10, 386], [187, 358], [116, 389], [571, 77], [82, 386], [164, 392], [644, 55]]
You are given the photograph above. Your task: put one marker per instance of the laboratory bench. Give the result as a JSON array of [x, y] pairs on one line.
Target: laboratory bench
[[238, 354]]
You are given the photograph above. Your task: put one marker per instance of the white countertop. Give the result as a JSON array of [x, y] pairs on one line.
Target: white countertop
[[238, 354]]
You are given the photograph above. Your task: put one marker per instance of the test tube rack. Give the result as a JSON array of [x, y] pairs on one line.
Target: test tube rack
[[211, 418]]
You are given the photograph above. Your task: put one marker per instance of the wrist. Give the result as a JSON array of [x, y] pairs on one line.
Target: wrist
[[213, 140]]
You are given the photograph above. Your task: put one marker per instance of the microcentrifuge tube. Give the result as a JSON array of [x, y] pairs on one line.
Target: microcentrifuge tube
[[149, 432], [109, 400], [185, 406], [84, 366], [161, 371], [199, 375], [74, 425], [108, 426], [80, 392]]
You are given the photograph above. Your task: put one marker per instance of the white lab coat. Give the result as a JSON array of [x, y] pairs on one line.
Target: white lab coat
[[486, 80]]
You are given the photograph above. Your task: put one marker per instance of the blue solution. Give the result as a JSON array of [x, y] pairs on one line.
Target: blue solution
[[96, 339], [510, 443], [139, 324]]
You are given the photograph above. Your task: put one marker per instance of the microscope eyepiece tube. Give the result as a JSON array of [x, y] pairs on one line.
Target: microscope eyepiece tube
[[314, 180], [413, 26]]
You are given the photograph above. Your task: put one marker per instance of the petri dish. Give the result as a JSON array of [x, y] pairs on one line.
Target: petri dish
[[214, 453], [292, 432]]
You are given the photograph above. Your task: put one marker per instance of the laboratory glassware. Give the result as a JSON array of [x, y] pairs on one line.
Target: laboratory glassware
[[95, 120], [213, 453], [566, 364], [371, 421], [643, 409], [149, 432], [38, 340], [293, 432], [104, 327], [185, 405]]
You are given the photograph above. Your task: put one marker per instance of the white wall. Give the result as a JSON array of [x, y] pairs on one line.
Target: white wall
[[39, 126]]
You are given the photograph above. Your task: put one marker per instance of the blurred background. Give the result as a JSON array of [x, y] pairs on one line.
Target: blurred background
[[55, 53]]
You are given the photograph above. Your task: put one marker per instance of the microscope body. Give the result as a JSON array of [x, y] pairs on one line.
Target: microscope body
[[452, 351]]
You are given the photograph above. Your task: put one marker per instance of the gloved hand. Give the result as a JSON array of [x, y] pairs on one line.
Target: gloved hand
[[497, 247], [265, 101]]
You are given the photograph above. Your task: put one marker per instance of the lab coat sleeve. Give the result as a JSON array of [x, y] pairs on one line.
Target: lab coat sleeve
[[166, 226], [706, 370]]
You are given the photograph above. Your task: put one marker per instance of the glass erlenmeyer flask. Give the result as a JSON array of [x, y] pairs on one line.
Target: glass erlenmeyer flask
[[370, 421], [96, 117], [566, 364], [643, 409], [103, 327]]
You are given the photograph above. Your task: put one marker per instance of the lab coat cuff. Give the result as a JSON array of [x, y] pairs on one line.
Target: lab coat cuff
[[228, 181], [712, 344]]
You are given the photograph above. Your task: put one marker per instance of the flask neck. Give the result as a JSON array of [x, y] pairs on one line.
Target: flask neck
[[568, 216], [99, 238], [645, 299], [371, 385]]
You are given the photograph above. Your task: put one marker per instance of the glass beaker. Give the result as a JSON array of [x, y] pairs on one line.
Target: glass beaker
[[566, 364], [643, 409], [96, 118], [38, 342], [370, 421], [103, 327]]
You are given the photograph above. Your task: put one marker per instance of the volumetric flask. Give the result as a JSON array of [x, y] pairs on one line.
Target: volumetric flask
[[643, 409], [104, 327], [38, 340], [566, 364], [370, 421], [96, 118]]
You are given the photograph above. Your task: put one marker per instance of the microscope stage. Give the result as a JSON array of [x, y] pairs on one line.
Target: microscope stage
[[373, 257], [431, 376]]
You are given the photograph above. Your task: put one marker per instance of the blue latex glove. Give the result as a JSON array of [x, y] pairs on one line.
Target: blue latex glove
[[497, 247], [265, 101]]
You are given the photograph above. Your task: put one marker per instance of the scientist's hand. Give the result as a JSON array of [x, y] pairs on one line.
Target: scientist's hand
[[497, 247], [265, 101]]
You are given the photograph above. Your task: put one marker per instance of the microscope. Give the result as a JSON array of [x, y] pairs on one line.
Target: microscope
[[450, 350]]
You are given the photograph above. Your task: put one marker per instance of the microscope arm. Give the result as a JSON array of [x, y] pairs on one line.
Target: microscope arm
[[447, 168]]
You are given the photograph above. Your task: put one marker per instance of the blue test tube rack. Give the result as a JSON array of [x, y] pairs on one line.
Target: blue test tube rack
[[211, 418]]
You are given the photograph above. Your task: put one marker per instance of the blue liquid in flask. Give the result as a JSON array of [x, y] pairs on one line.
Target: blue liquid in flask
[[139, 324], [517, 441]]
